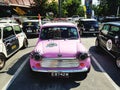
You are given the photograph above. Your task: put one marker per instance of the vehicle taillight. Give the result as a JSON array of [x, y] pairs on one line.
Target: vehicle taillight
[[82, 65], [38, 65]]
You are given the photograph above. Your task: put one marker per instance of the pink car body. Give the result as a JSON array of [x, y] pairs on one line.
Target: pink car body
[[59, 54]]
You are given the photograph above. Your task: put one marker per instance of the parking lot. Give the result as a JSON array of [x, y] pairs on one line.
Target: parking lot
[[104, 74]]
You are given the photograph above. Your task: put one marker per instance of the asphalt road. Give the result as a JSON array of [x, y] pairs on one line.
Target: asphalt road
[[104, 74]]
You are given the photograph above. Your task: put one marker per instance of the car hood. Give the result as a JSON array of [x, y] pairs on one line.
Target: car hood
[[59, 48]]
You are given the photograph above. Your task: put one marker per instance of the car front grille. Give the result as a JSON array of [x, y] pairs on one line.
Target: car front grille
[[62, 63]]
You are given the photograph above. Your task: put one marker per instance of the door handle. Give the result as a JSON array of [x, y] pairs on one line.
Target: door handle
[[8, 43]]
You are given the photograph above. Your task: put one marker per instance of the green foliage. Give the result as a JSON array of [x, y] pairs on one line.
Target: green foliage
[[108, 7], [72, 7], [68, 7], [53, 7], [40, 6]]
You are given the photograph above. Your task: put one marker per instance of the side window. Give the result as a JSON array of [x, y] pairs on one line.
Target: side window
[[114, 30], [73, 32], [17, 29], [105, 29], [7, 32]]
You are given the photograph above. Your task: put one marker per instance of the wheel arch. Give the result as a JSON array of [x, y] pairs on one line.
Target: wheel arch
[[2, 55]]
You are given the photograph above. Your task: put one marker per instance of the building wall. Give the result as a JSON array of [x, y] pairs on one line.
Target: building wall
[[21, 3]]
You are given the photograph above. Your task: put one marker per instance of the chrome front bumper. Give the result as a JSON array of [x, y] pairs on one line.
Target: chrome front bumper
[[75, 70]]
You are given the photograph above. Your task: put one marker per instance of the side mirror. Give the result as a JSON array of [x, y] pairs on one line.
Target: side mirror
[[104, 32]]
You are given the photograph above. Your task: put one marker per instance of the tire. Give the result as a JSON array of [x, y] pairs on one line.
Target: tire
[[97, 43], [25, 43], [81, 32], [2, 61], [118, 62]]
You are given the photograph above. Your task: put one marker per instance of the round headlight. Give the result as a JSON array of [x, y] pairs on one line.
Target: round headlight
[[82, 56], [36, 56]]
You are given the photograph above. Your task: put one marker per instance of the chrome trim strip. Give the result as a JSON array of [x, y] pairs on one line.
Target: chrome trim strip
[[68, 71], [60, 58]]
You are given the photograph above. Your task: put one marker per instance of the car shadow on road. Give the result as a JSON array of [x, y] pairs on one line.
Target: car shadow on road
[[49, 83], [12, 70], [28, 80], [106, 62]]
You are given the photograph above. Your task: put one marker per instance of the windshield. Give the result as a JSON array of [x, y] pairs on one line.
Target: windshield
[[86, 23], [59, 33]]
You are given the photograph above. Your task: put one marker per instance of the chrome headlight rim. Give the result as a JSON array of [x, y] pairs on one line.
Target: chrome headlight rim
[[83, 55], [36, 56]]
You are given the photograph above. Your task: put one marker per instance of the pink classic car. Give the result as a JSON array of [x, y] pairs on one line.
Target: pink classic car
[[59, 51]]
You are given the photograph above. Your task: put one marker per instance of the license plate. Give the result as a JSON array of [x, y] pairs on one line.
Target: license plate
[[59, 74], [91, 29], [29, 30]]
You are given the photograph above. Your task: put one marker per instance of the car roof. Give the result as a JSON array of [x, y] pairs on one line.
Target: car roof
[[7, 21], [59, 24], [89, 19], [35, 20], [7, 24], [113, 23]]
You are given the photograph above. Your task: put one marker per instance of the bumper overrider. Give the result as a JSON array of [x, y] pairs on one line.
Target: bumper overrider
[[80, 63]]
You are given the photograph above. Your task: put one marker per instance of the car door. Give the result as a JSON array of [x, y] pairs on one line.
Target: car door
[[104, 35], [9, 39], [19, 34], [113, 36]]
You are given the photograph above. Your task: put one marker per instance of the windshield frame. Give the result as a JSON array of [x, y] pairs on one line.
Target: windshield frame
[[62, 30]]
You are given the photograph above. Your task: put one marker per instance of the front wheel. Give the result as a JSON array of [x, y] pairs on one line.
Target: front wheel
[[2, 61], [118, 62], [25, 43], [97, 43]]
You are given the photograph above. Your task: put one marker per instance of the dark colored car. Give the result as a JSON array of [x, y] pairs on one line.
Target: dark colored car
[[109, 40], [110, 19], [31, 27], [88, 26]]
